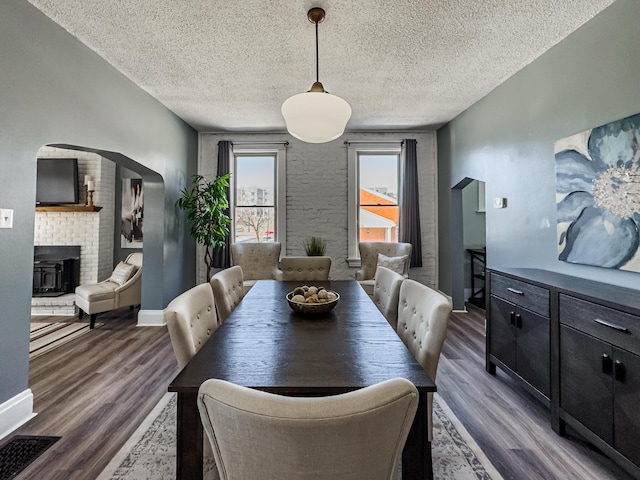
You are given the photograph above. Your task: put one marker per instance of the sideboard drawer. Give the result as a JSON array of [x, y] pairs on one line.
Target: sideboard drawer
[[528, 296], [618, 328]]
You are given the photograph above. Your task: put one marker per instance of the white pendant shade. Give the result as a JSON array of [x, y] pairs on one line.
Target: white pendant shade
[[316, 117]]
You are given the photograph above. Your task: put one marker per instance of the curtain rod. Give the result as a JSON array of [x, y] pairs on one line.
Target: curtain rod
[[285, 143], [349, 142]]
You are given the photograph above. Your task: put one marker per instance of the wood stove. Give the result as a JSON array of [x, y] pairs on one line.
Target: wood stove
[[56, 270]]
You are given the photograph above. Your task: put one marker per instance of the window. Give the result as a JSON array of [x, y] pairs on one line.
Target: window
[[374, 187], [258, 185]]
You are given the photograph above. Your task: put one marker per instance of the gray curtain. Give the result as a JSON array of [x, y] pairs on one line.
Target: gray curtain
[[409, 206], [222, 256]]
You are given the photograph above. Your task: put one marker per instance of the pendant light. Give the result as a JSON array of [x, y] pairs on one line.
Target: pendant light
[[316, 116]]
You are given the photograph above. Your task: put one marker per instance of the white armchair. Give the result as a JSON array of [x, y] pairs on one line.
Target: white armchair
[[259, 261], [369, 252], [121, 289]]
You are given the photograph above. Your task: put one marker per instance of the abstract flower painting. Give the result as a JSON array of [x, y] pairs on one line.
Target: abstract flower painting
[[598, 195]]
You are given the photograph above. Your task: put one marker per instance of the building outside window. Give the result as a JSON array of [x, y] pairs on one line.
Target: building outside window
[[378, 211], [374, 187], [258, 184]]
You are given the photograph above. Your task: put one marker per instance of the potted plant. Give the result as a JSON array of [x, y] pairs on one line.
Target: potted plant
[[315, 246], [206, 204]]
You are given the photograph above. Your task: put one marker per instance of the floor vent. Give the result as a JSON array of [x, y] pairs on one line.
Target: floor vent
[[20, 451]]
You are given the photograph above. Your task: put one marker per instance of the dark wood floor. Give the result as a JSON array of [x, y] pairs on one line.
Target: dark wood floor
[[96, 390]]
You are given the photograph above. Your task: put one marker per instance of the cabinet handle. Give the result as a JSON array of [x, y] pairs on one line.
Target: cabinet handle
[[518, 320], [517, 292], [607, 365], [619, 371], [611, 325]]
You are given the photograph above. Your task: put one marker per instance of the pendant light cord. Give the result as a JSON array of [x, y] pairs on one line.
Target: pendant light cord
[[317, 56]]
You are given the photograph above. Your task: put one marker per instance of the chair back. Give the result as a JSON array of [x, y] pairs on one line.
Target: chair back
[[305, 269], [386, 291], [191, 320], [227, 290], [423, 316], [259, 261], [257, 435], [369, 257]]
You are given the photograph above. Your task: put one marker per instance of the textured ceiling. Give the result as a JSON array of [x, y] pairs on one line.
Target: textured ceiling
[[401, 64]]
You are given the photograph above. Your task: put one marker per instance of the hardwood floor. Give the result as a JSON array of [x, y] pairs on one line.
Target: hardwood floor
[[95, 391]]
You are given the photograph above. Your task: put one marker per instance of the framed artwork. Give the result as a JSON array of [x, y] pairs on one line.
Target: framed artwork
[[132, 217], [598, 195]]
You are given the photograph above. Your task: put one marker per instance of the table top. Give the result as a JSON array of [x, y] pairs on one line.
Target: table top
[[263, 344]]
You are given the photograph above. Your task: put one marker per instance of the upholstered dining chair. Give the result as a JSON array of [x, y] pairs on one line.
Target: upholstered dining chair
[[386, 291], [395, 256], [423, 316], [257, 435], [191, 320], [259, 261], [121, 289], [228, 290], [305, 269]]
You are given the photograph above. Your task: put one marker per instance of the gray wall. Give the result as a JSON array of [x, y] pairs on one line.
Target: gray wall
[[506, 139], [54, 90]]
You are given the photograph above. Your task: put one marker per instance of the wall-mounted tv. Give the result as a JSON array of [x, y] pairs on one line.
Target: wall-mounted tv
[[57, 181]]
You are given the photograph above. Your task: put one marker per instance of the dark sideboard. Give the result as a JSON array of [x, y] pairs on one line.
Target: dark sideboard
[[574, 344]]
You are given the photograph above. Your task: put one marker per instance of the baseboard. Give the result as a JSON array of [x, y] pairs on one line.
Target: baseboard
[[151, 318], [15, 412]]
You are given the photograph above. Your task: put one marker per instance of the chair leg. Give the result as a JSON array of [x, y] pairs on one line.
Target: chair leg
[[92, 321], [80, 313]]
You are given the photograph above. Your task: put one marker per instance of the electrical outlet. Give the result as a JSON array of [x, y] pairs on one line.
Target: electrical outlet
[[499, 202], [6, 218]]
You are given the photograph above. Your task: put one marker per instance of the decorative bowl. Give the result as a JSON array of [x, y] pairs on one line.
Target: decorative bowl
[[312, 308]]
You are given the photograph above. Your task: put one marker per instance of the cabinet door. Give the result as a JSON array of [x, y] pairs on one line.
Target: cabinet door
[[503, 333], [586, 381], [532, 352], [626, 412]]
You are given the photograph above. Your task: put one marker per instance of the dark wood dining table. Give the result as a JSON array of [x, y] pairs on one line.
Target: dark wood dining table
[[264, 345]]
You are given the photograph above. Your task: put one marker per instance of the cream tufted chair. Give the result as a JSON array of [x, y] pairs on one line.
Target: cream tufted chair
[[305, 269], [385, 293], [369, 260], [191, 320], [121, 289], [423, 315], [228, 291], [259, 261], [358, 435]]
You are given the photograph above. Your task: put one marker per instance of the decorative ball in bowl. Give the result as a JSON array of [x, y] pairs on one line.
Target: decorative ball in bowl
[[310, 300]]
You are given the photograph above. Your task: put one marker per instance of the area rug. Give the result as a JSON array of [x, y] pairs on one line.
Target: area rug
[[150, 453], [44, 337]]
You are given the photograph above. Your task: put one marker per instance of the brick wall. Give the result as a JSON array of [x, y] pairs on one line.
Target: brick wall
[[317, 189]]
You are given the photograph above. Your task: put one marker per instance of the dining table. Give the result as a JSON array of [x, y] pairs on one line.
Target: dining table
[[265, 345]]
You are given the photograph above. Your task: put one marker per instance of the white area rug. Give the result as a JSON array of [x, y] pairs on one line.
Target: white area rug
[[150, 453]]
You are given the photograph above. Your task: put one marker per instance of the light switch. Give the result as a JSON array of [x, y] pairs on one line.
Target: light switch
[[499, 202], [6, 218]]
